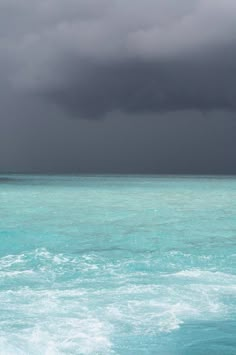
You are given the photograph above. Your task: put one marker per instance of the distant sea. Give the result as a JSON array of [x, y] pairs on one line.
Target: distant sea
[[126, 265]]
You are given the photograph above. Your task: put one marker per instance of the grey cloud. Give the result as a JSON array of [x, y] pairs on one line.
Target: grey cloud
[[203, 83], [91, 57]]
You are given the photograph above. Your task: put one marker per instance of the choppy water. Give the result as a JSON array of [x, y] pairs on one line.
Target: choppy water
[[117, 265]]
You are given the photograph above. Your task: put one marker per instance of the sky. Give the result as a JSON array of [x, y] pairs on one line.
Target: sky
[[118, 86]]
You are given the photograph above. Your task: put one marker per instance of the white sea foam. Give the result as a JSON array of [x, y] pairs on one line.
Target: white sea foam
[[71, 336], [205, 275], [16, 273], [81, 315], [11, 260]]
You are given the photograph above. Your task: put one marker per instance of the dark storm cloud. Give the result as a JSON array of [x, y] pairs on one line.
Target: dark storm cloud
[[153, 67], [140, 87], [91, 57]]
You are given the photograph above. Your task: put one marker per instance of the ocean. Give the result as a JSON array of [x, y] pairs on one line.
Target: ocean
[[117, 265]]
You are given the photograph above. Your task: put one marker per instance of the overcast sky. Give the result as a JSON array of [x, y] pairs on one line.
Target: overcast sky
[[119, 86]]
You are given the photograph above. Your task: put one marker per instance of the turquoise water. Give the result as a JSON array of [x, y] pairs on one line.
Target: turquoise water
[[117, 265]]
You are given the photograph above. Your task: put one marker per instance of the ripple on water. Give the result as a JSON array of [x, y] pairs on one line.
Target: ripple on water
[[54, 313]]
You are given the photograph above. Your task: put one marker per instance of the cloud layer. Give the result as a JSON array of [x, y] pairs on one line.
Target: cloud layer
[[92, 57]]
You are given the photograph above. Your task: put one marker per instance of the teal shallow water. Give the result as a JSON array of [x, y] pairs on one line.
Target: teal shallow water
[[117, 265]]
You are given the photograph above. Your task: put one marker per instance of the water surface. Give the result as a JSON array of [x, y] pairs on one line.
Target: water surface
[[117, 265]]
